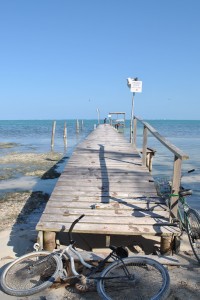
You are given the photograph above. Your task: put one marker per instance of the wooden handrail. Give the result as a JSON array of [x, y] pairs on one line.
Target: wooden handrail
[[179, 155]]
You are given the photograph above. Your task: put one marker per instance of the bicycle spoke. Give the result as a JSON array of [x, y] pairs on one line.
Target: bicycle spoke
[[193, 229], [30, 274], [137, 285]]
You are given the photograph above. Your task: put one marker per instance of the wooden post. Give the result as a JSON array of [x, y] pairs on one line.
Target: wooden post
[[147, 159], [40, 240], [175, 187], [151, 155], [166, 245], [135, 132], [49, 241], [144, 149], [77, 126], [53, 134], [65, 134], [107, 240]]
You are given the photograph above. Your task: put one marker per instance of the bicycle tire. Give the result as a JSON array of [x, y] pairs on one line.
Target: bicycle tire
[[30, 274], [193, 231], [149, 280]]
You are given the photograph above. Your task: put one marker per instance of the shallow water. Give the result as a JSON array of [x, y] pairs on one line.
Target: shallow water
[[34, 136]]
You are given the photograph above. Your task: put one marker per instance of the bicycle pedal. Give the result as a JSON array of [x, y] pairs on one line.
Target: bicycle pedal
[[71, 289], [175, 220], [85, 287]]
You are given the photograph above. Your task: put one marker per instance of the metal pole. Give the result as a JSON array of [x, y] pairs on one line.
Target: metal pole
[[132, 116]]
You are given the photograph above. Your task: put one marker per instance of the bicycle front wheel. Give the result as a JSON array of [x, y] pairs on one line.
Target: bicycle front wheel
[[193, 230], [134, 278], [30, 273]]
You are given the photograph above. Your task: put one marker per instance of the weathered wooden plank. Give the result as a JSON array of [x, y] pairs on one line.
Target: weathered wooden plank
[[113, 187], [110, 213], [110, 180], [103, 188], [114, 158], [65, 217], [66, 198], [115, 177], [104, 194], [115, 206], [102, 174], [110, 229]]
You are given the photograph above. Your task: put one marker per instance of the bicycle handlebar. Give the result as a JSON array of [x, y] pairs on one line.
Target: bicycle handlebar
[[71, 228], [187, 172]]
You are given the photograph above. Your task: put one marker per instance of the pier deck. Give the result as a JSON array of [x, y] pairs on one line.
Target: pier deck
[[105, 180]]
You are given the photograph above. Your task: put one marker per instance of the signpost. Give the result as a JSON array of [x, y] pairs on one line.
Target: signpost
[[135, 87]]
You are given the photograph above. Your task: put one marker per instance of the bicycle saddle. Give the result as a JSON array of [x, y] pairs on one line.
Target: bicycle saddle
[[185, 192], [122, 252]]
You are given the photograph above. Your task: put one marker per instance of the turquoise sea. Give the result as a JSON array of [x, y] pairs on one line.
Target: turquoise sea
[[35, 136]]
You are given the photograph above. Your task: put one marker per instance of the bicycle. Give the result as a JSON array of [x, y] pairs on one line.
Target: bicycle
[[188, 218], [125, 278]]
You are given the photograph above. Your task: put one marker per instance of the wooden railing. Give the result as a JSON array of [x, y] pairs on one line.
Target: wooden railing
[[179, 156]]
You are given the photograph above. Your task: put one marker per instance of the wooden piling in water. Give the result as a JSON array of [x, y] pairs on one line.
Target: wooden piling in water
[[65, 134], [53, 134], [77, 126]]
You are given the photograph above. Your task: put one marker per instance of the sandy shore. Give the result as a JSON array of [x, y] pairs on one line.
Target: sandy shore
[[17, 240], [21, 210]]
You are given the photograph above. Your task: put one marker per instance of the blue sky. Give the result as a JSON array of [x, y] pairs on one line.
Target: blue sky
[[63, 59]]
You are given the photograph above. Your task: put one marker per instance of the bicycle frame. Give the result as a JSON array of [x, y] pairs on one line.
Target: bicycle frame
[[115, 254], [183, 193], [183, 214], [182, 211], [66, 252], [70, 248]]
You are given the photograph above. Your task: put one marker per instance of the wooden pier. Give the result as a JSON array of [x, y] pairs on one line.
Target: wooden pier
[[105, 180]]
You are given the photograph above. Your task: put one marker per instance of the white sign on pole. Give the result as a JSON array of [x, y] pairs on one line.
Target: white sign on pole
[[136, 86]]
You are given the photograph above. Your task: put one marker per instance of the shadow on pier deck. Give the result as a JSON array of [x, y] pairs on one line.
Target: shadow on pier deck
[[105, 180]]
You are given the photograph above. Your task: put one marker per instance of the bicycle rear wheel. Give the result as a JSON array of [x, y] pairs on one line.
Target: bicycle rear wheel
[[134, 278], [193, 231], [30, 273]]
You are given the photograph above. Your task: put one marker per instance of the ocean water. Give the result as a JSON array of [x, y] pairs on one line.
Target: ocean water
[[185, 135], [35, 136]]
